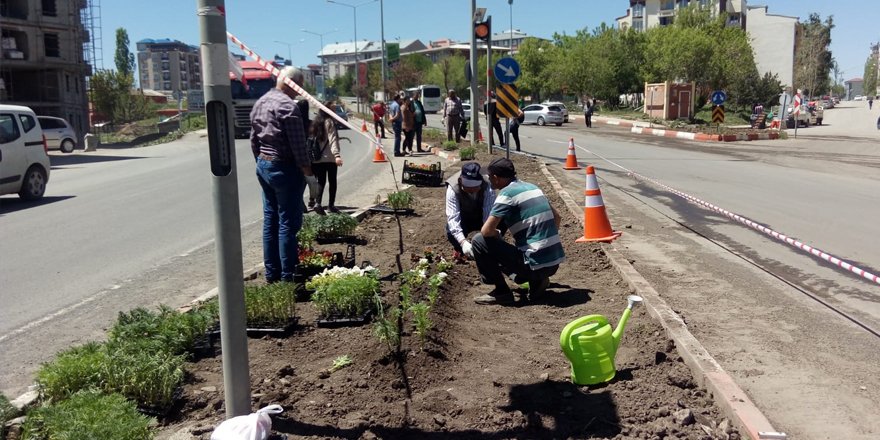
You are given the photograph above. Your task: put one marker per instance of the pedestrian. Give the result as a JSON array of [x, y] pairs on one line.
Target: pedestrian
[[452, 115], [537, 250], [469, 200], [588, 112], [421, 119], [378, 110], [870, 102], [409, 125], [492, 110], [283, 169], [325, 166], [878, 123], [514, 126], [396, 118]]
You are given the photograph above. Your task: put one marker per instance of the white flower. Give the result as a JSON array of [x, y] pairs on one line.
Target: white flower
[[441, 275], [423, 273]]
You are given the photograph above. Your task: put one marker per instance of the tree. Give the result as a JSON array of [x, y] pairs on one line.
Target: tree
[[449, 72], [870, 76], [813, 59], [124, 58], [113, 96], [535, 59]]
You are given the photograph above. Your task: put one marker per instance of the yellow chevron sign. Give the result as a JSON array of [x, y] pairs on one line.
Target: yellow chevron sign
[[718, 114], [507, 100]]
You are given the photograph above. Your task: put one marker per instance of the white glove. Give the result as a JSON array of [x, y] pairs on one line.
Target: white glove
[[467, 249], [312, 182]]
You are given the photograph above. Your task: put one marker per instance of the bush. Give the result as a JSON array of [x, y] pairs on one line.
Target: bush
[[433, 134], [450, 145], [7, 413], [166, 331], [401, 200], [88, 415], [468, 153], [72, 370]]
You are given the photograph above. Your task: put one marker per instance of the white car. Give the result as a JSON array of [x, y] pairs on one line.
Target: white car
[[24, 162], [859, 98], [467, 110], [59, 134], [561, 106], [543, 114]]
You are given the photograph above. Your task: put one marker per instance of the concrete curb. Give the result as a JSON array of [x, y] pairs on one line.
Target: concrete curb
[[732, 400], [705, 137]]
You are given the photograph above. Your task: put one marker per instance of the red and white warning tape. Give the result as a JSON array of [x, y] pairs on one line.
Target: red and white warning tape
[[302, 92], [779, 236]]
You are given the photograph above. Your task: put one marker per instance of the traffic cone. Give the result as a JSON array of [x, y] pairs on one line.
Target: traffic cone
[[571, 161], [379, 155], [479, 136], [364, 127], [596, 224]]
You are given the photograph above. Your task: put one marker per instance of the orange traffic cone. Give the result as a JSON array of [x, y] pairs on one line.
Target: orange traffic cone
[[364, 127], [596, 224], [571, 161], [379, 155], [480, 136]]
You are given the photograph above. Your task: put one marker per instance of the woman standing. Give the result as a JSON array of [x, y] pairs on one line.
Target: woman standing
[[409, 125], [323, 129]]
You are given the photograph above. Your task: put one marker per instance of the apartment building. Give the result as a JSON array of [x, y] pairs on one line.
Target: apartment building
[[43, 64], [168, 66], [339, 57], [510, 39], [644, 14]]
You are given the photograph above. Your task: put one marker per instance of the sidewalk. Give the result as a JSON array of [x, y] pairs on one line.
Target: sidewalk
[[648, 128]]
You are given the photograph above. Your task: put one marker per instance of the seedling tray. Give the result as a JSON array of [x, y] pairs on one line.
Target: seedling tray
[[162, 411], [385, 209], [335, 239], [344, 321], [421, 177], [258, 330]]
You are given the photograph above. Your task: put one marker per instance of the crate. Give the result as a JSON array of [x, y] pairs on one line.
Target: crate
[[421, 177]]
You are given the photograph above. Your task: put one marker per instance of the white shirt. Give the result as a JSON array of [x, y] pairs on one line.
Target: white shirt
[[453, 211]]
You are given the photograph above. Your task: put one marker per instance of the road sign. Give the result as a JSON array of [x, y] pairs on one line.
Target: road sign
[[507, 100], [195, 100], [507, 70], [718, 114], [718, 97], [797, 103]]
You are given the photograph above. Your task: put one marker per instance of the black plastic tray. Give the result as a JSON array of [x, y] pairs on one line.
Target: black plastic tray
[[348, 321], [385, 209]]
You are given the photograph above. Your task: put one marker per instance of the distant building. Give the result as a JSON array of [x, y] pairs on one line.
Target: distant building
[[644, 14], [436, 54], [774, 40], [339, 57], [509, 39], [854, 87], [43, 59], [168, 66]]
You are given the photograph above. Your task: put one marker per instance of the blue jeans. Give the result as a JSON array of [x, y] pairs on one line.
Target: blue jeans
[[283, 185], [496, 258], [398, 128]]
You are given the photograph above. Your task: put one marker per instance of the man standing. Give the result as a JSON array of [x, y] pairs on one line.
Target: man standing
[[494, 121], [421, 119], [452, 113], [588, 112], [469, 200], [278, 143], [379, 118], [396, 123], [535, 227]]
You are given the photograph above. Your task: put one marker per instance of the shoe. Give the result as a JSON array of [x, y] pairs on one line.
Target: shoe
[[320, 210], [495, 297], [398, 154], [311, 203], [334, 210], [538, 288]]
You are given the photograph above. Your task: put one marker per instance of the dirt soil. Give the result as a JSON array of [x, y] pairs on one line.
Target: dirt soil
[[487, 372]]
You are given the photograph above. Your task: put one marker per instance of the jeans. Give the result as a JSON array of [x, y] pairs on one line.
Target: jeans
[[326, 173], [283, 185], [397, 127], [379, 124], [496, 258], [418, 136], [514, 133]]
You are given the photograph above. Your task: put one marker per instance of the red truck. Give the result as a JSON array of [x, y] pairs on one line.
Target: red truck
[[255, 81]]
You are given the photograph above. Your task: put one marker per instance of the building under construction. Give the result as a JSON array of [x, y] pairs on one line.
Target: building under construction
[[48, 49]]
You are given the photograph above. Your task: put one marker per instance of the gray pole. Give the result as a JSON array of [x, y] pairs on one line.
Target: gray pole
[[510, 52], [384, 54], [475, 115], [357, 73], [488, 85], [218, 110]]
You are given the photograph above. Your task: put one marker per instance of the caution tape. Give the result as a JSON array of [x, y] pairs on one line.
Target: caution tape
[[752, 224], [302, 92]]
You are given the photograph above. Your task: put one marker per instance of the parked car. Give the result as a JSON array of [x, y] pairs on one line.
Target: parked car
[[543, 114], [811, 114], [859, 98], [467, 110], [340, 110], [560, 105], [827, 101], [24, 161], [59, 134]]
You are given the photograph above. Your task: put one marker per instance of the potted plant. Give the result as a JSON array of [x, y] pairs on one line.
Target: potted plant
[[344, 296], [330, 228], [399, 202], [468, 153]]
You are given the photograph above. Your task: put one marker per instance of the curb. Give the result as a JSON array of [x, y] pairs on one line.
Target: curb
[[732, 400], [705, 136]]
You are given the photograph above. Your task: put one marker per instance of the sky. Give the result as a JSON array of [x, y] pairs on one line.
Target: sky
[[261, 24]]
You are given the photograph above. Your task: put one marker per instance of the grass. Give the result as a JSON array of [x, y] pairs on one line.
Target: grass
[[88, 415], [450, 146], [7, 413]]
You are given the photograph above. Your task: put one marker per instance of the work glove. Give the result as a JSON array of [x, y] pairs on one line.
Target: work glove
[[312, 182], [467, 249]]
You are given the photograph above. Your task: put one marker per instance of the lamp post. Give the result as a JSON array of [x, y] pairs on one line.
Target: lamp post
[[289, 52], [321, 36], [356, 71], [510, 3]]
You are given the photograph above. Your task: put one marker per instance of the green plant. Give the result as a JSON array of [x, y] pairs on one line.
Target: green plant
[[310, 258], [72, 370], [270, 304], [7, 413], [450, 145], [331, 225], [434, 287], [307, 235], [168, 330], [401, 200], [349, 295], [150, 379], [340, 363], [385, 325], [468, 153], [421, 320], [432, 134], [88, 415], [443, 265]]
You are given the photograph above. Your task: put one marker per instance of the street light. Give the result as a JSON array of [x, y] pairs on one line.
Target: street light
[[356, 71], [510, 52], [289, 52], [321, 36]]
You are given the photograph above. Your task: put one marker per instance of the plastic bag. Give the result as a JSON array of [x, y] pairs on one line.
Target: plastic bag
[[254, 426]]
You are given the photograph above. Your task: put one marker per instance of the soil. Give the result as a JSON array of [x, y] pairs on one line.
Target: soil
[[486, 372]]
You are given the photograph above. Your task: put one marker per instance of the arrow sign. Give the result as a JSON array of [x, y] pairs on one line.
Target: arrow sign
[[718, 97], [506, 70]]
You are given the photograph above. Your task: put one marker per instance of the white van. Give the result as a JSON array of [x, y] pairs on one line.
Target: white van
[[24, 161], [432, 97]]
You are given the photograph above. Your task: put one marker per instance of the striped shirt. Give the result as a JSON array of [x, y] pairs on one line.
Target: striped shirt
[[525, 208], [277, 129]]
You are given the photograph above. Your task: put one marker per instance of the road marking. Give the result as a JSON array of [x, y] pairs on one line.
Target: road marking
[[58, 313]]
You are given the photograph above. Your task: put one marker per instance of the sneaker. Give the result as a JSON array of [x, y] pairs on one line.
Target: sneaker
[[334, 210], [320, 210], [538, 288], [495, 297], [311, 203]]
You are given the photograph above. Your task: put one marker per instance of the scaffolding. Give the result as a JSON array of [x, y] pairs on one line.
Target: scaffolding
[[90, 16]]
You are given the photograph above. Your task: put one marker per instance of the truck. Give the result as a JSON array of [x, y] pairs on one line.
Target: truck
[[253, 82]]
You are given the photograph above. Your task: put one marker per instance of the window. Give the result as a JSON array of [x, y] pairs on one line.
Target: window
[[638, 10], [666, 21], [67, 81], [166, 76], [683, 3], [50, 124], [166, 85], [165, 65], [50, 41], [8, 129], [638, 25], [76, 85], [49, 9], [27, 122]]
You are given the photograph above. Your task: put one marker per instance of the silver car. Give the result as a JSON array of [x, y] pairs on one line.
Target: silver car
[[560, 105], [542, 114], [59, 134]]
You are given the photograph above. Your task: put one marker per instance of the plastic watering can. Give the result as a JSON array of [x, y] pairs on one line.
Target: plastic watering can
[[590, 345]]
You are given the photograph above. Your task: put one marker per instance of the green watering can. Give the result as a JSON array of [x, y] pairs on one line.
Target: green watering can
[[590, 345]]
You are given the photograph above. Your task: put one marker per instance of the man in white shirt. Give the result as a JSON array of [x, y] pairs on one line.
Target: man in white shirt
[[469, 199]]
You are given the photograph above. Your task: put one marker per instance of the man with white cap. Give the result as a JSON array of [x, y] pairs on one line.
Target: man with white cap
[[469, 199]]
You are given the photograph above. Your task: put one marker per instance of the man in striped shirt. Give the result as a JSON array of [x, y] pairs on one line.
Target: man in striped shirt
[[534, 224], [278, 143]]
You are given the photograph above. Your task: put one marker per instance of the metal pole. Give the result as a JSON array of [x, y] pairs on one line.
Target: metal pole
[[507, 138], [218, 110], [475, 116], [510, 52], [488, 85], [357, 72], [384, 54]]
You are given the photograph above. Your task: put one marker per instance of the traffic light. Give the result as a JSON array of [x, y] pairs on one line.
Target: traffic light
[[483, 29]]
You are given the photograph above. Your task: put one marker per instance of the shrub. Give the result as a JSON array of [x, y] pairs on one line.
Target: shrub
[[468, 153], [270, 304], [88, 415], [401, 200], [450, 145], [168, 330], [433, 134], [72, 370]]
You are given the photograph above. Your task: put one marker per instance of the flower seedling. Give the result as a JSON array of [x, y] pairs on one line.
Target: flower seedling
[[400, 200], [421, 320], [340, 363]]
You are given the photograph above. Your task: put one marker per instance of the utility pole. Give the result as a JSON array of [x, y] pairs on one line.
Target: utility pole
[[475, 120], [384, 54], [227, 227]]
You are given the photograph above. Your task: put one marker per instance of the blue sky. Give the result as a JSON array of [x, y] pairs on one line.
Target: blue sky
[[259, 23]]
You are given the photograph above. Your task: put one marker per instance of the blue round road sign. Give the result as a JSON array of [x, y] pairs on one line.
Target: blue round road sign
[[718, 97], [506, 70]]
